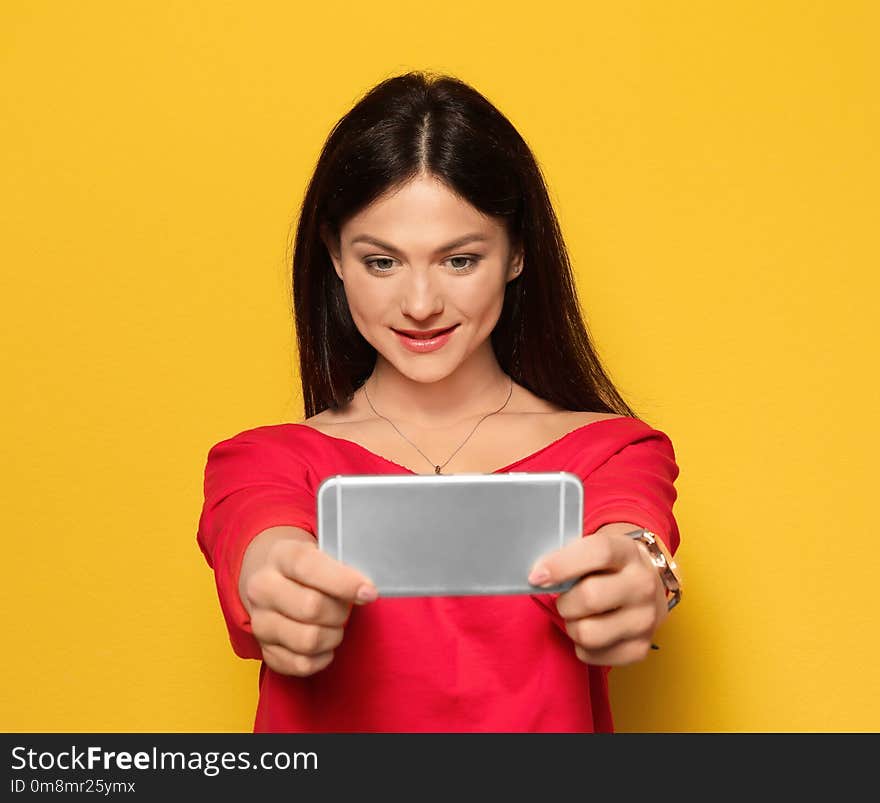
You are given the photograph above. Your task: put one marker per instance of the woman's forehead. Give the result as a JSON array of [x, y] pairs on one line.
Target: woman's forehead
[[423, 218]]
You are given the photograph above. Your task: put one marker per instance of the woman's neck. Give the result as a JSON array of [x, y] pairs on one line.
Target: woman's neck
[[476, 388]]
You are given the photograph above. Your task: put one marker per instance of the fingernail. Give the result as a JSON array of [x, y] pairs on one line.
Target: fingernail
[[539, 576], [367, 593]]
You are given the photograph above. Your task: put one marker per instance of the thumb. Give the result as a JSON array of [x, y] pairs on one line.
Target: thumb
[[318, 570]]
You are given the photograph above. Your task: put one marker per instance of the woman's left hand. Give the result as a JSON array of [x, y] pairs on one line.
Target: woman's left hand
[[612, 612]]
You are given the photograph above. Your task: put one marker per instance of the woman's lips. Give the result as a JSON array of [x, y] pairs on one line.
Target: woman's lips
[[421, 345]]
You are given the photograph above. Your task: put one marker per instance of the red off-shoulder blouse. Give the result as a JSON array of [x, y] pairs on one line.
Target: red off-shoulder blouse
[[429, 664]]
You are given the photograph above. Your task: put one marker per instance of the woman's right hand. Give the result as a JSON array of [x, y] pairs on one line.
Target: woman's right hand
[[299, 599]]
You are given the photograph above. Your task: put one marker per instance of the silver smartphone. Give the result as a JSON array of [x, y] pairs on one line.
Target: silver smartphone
[[449, 534]]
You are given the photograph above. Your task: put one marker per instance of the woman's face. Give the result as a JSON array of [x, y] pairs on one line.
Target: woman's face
[[408, 262]]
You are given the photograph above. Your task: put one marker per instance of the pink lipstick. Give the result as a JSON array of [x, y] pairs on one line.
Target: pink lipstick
[[437, 338]]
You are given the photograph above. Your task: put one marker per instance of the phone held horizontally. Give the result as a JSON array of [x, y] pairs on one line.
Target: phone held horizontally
[[449, 534]]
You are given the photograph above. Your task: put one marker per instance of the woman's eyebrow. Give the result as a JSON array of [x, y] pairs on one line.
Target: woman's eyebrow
[[467, 238]]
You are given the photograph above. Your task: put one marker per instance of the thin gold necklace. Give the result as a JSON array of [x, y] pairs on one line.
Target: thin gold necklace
[[438, 467]]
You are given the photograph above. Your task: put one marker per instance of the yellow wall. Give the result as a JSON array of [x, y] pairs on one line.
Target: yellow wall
[[715, 169]]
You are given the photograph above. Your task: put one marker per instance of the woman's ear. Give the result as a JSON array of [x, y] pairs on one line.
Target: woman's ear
[[516, 264]]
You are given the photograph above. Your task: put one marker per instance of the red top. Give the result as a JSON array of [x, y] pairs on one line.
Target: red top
[[437, 664]]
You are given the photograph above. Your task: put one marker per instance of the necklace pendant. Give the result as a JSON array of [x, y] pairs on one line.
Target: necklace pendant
[[436, 469]]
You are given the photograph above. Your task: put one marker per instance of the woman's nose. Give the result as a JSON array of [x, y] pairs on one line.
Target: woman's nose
[[421, 296]]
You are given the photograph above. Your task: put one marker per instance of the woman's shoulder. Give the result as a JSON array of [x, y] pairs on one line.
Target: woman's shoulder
[[570, 422], [581, 419], [282, 440], [599, 436]]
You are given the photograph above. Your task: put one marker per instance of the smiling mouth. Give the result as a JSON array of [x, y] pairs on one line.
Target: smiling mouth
[[426, 336]]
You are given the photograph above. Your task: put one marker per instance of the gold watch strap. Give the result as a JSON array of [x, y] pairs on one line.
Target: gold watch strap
[[661, 558]]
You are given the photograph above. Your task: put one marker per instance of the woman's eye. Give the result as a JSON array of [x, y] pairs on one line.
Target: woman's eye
[[372, 263], [461, 268]]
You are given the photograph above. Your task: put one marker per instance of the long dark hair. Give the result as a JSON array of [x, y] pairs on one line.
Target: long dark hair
[[416, 123]]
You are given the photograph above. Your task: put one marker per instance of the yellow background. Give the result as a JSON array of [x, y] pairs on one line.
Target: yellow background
[[715, 170]]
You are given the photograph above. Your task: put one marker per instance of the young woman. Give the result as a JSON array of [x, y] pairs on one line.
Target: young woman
[[439, 331]]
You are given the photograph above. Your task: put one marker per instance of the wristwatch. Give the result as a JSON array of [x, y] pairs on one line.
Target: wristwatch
[[661, 558]]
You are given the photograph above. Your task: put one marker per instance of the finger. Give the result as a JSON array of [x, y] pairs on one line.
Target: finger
[[591, 553], [286, 662], [596, 593], [636, 583], [270, 627], [274, 591], [309, 566], [620, 654], [604, 630], [305, 604]]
